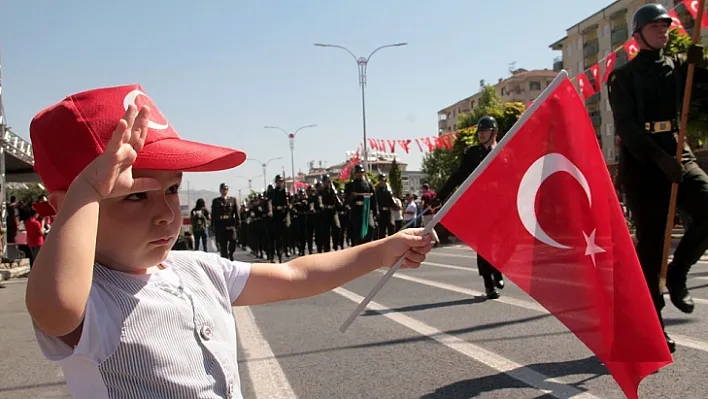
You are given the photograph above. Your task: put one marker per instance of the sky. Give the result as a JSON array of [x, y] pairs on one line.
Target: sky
[[222, 70]]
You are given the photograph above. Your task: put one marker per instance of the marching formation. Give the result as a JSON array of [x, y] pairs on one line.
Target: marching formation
[[277, 224]]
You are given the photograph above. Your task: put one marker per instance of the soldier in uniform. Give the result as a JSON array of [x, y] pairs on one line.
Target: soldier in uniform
[[343, 214], [646, 96], [354, 198], [299, 212], [328, 223], [277, 196], [384, 202], [487, 131], [313, 213], [226, 219]]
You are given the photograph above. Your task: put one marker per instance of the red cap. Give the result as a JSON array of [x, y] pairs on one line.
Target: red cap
[[69, 135]]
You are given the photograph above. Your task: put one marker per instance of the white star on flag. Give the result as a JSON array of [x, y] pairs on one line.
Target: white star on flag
[[592, 248]]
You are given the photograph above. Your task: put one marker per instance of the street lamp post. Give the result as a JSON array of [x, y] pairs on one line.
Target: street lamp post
[[264, 165], [362, 63], [291, 137]]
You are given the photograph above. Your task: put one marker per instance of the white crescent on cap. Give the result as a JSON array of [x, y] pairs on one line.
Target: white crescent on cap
[[130, 99], [535, 175]]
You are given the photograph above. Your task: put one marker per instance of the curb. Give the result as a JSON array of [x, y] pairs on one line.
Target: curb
[[16, 272]]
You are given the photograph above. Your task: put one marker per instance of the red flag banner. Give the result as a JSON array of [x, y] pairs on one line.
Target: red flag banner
[[632, 48], [558, 232], [585, 86], [609, 66]]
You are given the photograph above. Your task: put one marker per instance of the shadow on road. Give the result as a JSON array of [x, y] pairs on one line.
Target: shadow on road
[[425, 306], [475, 387]]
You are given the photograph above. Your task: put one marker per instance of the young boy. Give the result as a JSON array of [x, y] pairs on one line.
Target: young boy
[[123, 315]]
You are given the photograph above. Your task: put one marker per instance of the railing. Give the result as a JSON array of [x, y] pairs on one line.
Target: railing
[[18, 147], [618, 36], [591, 47]]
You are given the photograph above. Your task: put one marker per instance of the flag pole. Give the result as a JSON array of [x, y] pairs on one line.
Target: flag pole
[[679, 148], [562, 75]]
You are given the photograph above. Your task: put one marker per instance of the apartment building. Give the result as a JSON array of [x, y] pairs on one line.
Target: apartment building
[[588, 42], [522, 86]]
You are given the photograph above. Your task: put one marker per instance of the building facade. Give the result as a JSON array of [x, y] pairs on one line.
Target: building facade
[[590, 41], [522, 86]]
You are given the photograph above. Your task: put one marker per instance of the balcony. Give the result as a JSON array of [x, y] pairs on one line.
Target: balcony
[[619, 35], [596, 118], [594, 99], [591, 48], [558, 64]]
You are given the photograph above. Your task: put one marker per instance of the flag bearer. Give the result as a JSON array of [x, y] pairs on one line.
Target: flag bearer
[[646, 96]]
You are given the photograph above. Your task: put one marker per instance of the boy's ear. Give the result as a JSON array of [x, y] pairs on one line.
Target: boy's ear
[[56, 199]]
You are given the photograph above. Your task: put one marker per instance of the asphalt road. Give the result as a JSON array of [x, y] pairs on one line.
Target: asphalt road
[[430, 334]]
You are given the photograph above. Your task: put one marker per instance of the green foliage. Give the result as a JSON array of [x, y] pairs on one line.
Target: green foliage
[[28, 195], [338, 184], [438, 165], [697, 129], [394, 178]]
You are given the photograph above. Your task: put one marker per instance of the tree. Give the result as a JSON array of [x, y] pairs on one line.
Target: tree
[[697, 128], [438, 165], [394, 177], [28, 195]]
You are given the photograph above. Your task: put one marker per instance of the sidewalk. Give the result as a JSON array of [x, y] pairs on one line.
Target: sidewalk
[[15, 272]]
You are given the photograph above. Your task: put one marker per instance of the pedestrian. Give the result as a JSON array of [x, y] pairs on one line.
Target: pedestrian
[[646, 97], [122, 314], [35, 235], [199, 220]]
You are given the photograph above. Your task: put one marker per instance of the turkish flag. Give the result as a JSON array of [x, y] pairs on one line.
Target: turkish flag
[[631, 48], [557, 231], [692, 7], [585, 86], [609, 65]]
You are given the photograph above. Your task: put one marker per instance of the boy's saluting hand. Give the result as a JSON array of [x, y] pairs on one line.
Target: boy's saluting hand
[[111, 173]]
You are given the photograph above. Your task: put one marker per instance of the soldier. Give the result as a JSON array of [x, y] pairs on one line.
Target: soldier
[[355, 191], [646, 98], [328, 223], [384, 202], [487, 131], [300, 210], [226, 219], [279, 204], [313, 212], [343, 214]]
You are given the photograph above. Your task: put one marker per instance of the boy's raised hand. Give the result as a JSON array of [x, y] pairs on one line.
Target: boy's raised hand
[[111, 173]]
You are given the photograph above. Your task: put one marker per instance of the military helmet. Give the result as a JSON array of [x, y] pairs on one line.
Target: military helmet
[[278, 178], [358, 169], [487, 123], [647, 14], [325, 177], [382, 177], [223, 186]]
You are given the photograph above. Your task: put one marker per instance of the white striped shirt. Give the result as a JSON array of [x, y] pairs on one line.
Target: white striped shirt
[[170, 334]]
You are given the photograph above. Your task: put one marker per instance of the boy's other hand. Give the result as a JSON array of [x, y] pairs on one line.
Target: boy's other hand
[[408, 243], [111, 173]]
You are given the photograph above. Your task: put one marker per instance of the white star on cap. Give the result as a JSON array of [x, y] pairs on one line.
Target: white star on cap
[[592, 248]]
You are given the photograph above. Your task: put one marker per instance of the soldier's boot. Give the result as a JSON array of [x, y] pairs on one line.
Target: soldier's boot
[[489, 285], [678, 292], [498, 279], [669, 342]]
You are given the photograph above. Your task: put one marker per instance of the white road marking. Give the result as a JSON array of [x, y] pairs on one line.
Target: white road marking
[[267, 377], [547, 385], [679, 339]]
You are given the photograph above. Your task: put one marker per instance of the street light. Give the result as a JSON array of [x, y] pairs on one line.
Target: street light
[[291, 137], [264, 165], [361, 63]]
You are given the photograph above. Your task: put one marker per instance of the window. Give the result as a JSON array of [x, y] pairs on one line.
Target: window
[[569, 51], [606, 30], [609, 129], [607, 105], [442, 117], [610, 154], [579, 44], [535, 86]]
